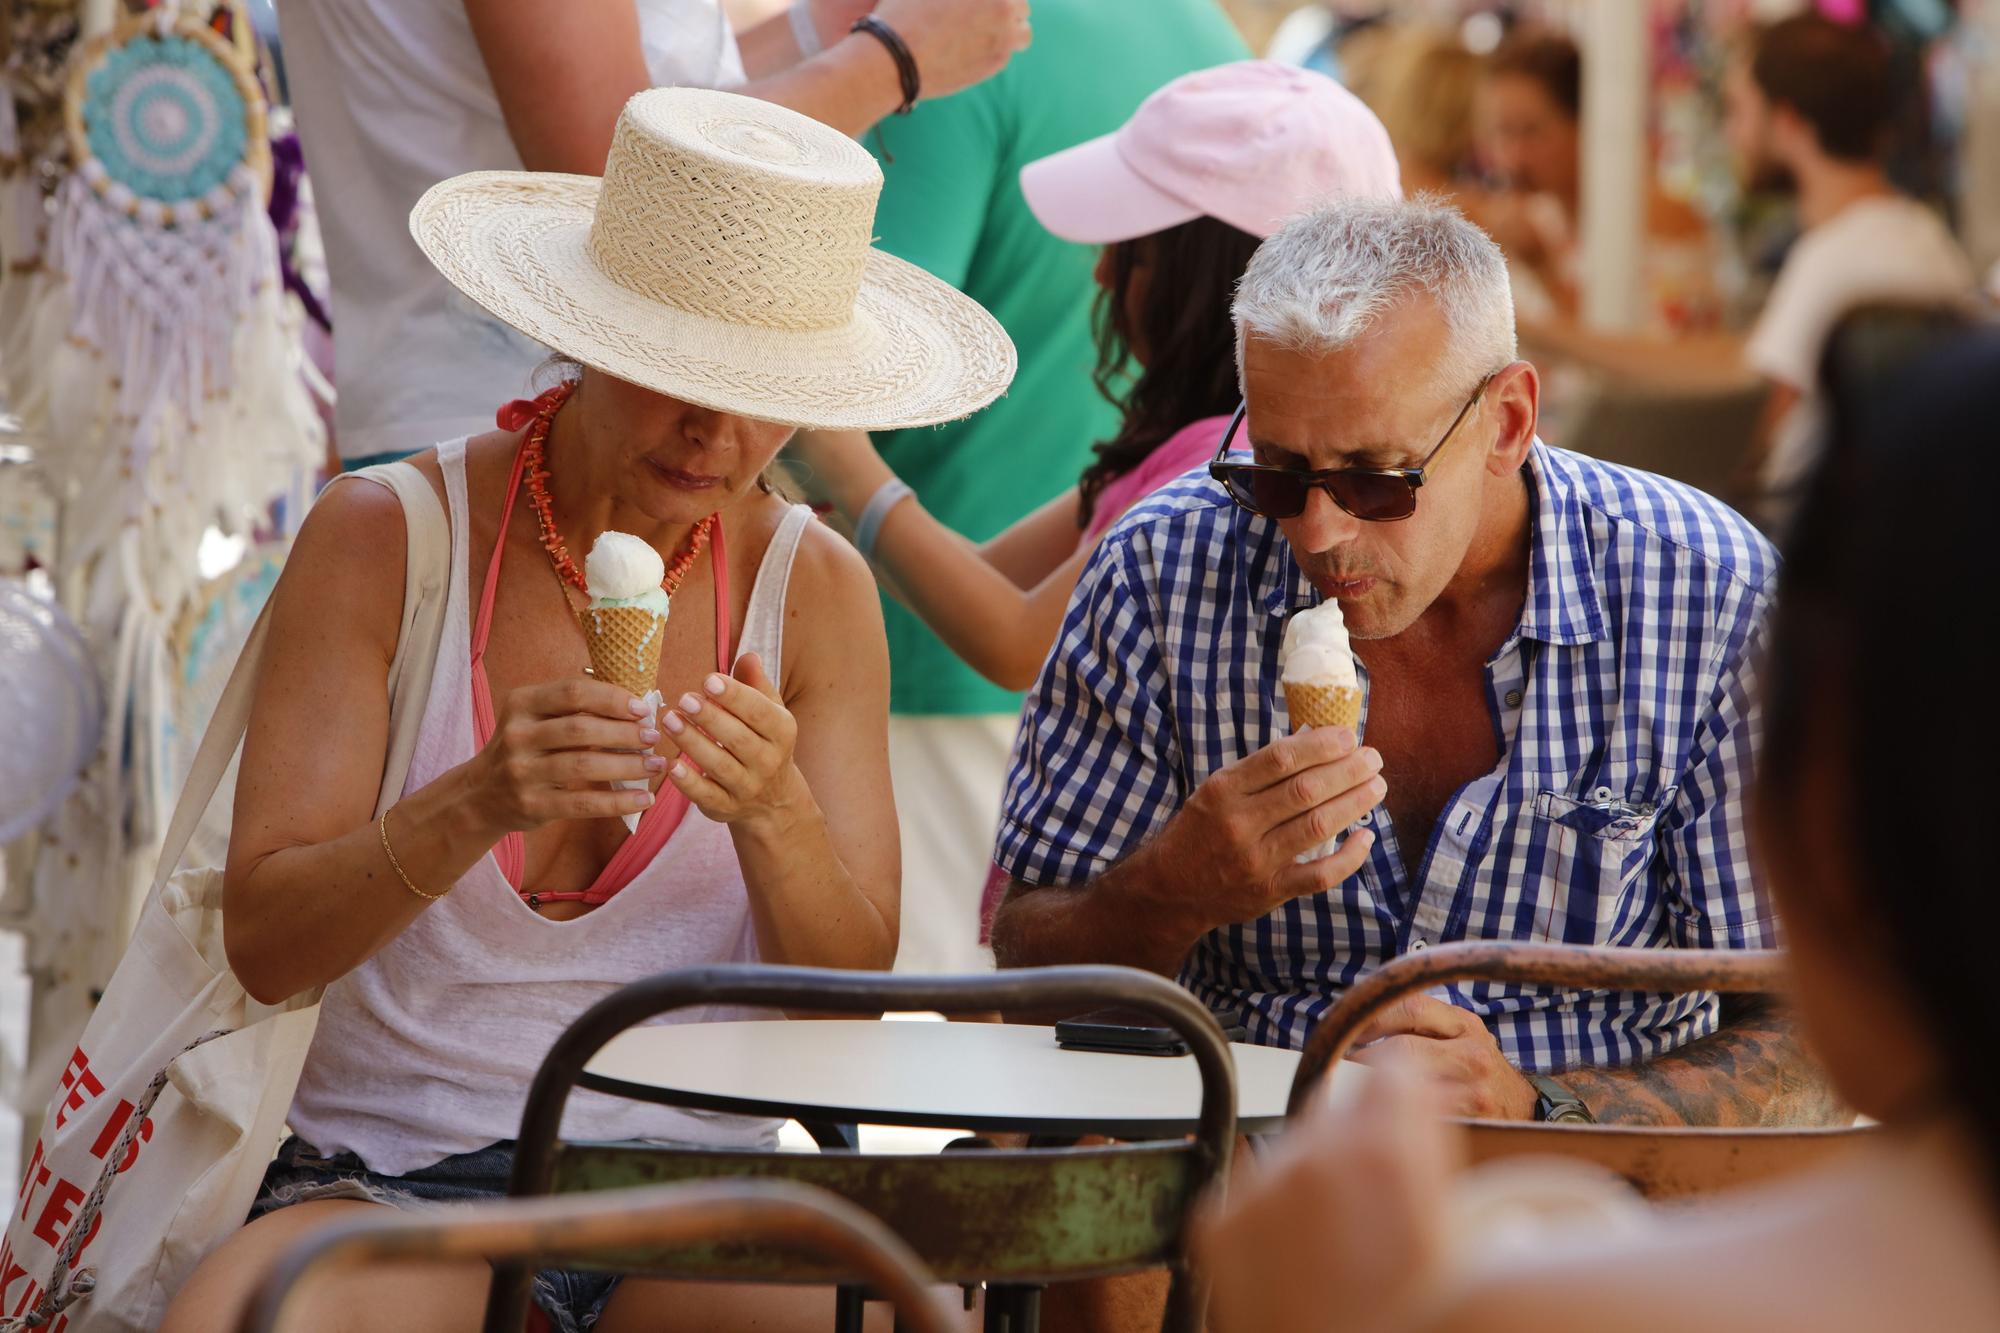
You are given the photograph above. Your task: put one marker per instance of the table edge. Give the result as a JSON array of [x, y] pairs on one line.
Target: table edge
[[1147, 1128]]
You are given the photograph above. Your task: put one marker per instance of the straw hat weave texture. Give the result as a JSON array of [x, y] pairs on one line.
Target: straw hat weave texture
[[724, 259]]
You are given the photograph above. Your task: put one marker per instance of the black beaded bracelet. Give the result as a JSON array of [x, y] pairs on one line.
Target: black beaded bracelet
[[899, 51]]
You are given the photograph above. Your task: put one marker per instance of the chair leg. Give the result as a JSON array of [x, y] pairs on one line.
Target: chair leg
[[1186, 1298], [850, 1309], [1011, 1308], [509, 1301], [832, 1136], [1028, 1311]]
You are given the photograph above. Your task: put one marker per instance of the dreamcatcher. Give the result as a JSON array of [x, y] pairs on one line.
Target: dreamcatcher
[[174, 403], [159, 226], [158, 380]]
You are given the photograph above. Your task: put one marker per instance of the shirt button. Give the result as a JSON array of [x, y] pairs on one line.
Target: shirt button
[[1513, 698], [1601, 794], [1367, 818], [1418, 946]]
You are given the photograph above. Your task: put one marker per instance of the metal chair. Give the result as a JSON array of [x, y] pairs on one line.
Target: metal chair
[[600, 1227], [1660, 1161], [1699, 438], [1016, 1220]]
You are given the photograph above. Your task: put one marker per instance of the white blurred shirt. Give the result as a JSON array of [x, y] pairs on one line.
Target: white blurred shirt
[[392, 97], [1887, 248]]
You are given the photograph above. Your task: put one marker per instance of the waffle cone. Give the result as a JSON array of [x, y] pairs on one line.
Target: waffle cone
[[625, 646], [1323, 706]]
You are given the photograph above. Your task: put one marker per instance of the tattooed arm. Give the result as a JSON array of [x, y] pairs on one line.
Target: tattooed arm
[[1753, 1072]]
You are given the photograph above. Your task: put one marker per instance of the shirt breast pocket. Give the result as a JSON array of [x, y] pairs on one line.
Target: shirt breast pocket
[[1597, 851]]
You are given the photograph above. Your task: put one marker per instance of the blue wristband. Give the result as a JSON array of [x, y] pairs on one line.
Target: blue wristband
[[869, 526]]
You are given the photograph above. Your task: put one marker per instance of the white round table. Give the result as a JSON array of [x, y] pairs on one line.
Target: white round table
[[977, 1076]]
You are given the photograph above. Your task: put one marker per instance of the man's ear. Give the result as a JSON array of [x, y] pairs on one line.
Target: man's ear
[[1513, 403]]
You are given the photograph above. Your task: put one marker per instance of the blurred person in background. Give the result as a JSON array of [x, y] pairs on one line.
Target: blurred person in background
[[952, 204], [1808, 104], [1421, 80], [1178, 200], [1314, 36], [1348, 1224], [393, 96], [1810, 110], [1529, 111]]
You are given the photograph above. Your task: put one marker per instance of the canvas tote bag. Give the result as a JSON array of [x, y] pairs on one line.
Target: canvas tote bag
[[173, 1102]]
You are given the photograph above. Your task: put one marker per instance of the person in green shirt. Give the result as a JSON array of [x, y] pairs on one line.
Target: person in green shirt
[[952, 204]]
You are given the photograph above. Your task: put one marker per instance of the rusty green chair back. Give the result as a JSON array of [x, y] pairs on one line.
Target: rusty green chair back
[[1660, 1161], [783, 1215], [1019, 1218]]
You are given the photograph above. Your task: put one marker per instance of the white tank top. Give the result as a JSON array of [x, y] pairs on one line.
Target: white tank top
[[427, 1049]]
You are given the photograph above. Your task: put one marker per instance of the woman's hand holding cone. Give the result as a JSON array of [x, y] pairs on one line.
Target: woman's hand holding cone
[[554, 745], [736, 738]]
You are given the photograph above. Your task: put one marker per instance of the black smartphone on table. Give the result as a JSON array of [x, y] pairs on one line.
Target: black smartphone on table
[[1126, 1032]]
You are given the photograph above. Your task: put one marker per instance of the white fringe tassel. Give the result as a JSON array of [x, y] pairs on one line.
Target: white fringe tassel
[[163, 304]]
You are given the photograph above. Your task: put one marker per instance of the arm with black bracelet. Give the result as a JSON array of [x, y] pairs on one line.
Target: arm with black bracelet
[[562, 85], [850, 65]]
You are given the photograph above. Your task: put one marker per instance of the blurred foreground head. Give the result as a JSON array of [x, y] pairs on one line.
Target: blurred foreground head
[[1876, 780]]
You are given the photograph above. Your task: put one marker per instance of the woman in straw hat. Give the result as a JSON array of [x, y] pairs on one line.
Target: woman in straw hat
[[716, 290]]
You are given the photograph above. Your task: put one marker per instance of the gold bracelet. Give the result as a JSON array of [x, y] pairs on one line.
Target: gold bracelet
[[382, 827]]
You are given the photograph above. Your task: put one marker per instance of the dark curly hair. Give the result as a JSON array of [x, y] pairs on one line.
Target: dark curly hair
[[1185, 328], [1892, 533]]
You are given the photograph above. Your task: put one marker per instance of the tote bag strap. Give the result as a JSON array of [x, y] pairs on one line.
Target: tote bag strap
[[426, 580], [426, 575]]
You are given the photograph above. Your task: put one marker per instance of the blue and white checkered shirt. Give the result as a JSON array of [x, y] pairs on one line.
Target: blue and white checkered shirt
[[1616, 815]]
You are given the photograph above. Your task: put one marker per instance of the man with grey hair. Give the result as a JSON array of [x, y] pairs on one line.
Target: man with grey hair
[[1555, 655]]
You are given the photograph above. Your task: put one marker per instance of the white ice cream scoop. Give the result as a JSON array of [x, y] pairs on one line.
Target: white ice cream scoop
[[621, 567], [1316, 650]]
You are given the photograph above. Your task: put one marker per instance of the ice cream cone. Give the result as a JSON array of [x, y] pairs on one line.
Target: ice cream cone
[[1322, 705], [625, 650], [1313, 705], [625, 646]]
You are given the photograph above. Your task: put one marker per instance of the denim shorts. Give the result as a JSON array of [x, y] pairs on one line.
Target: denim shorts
[[573, 1301]]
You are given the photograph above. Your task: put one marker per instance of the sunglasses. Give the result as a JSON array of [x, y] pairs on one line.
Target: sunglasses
[[1374, 495]]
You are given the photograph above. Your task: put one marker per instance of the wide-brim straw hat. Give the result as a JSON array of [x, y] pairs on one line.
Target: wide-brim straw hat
[[723, 260]]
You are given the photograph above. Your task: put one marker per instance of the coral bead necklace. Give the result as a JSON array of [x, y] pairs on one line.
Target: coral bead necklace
[[536, 475]]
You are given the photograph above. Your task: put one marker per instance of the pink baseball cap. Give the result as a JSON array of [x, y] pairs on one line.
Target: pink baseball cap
[[1252, 143]]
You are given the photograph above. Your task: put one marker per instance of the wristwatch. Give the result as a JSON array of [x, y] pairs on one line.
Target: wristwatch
[[1557, 1105]]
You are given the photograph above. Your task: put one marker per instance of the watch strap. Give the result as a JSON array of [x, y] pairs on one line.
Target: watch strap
[[1556, 1104]]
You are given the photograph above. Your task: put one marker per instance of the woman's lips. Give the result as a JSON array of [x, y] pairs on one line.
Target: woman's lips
[[687, 481]]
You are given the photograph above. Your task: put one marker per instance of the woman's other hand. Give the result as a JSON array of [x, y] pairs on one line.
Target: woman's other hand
[[736, 739], [1341, 1226], [554, 747], [957, 43]]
